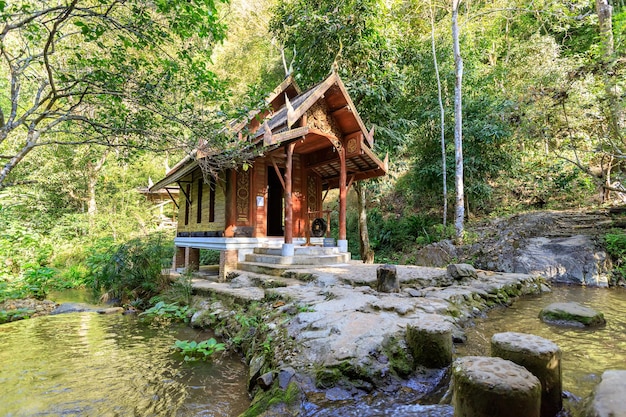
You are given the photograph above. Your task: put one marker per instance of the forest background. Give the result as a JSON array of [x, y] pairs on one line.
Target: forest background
[[98, 97]]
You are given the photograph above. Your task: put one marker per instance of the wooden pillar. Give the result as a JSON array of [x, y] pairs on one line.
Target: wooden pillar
[[288, 194], [343, 178], [231, 203]]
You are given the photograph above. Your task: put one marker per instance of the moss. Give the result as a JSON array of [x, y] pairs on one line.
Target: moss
[[400, 361], [327, 377], [266, 400]]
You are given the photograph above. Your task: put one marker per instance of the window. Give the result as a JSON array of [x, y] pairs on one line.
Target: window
[[212, 200], [199, 198], [187, 203]]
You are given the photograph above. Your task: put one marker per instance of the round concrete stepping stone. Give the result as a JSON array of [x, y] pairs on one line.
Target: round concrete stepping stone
[[494, 387], [571, 314], [430, 341], [608, 398], [541, 357]]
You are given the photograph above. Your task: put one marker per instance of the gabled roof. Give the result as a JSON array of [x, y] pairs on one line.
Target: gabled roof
[[279, 125]]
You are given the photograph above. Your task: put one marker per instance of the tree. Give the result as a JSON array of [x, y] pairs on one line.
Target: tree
[[459, 216], [442, 116], [117, 73]]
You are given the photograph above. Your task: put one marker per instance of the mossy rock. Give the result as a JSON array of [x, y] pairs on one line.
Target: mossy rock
[[572, 314], [267, 403]]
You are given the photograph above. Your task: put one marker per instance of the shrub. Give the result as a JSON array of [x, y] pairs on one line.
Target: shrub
[[165, 313], [198, 350], [131, 271], [616, 247]]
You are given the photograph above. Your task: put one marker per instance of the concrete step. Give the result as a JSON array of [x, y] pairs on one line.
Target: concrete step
[[311, 260], [268, 269], [300, 251]]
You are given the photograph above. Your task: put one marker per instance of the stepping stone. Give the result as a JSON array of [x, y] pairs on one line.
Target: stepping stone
[[430, 341], [608, 399], [494, 387], [571, 314], [541, 357]]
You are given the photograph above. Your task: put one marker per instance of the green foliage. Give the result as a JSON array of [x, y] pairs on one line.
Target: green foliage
[[198, 350], [616, 247], [13, 315], [209, 257], [132, 271], [163, 313]]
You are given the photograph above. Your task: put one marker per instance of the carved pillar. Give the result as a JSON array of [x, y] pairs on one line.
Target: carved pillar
[[343, 191], [231, 204], [288, 249]]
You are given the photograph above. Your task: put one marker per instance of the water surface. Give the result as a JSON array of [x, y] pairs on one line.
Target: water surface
[[586, 352], [86, 364]]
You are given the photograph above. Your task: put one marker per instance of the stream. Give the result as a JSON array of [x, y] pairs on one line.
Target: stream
[[87, 364], [587, 353]]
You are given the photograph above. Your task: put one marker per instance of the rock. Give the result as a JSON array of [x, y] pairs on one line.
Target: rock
[[430, 341], [284, 377], [608, 397], [413, 292], [438, 254], [540, 356], [574, 259], [387, 279], [256, 364], [111, 310], [73, 308], [494, 387], [462, 271], [266, 380], [571, 314]]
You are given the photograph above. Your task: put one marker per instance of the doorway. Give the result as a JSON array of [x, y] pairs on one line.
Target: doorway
[[275, 203]]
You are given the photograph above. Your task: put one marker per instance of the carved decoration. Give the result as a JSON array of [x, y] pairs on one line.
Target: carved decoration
[[312, 193], [243, 196], [318, 117]]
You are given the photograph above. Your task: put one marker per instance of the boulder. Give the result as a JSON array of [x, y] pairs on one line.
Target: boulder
[[572, 260], [462, 271], [571, 314], [438, 254], [387, 279]]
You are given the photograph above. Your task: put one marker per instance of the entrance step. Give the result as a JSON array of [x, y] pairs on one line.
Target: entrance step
[[310, 260], [300, 251]]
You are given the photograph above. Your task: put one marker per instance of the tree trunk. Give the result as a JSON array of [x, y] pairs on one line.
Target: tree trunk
[[442, 117], [31, 141], [459, 215], [92, 180], [605, 27], [367, 254]]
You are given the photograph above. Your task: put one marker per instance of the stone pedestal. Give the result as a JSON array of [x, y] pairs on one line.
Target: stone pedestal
[[387, 279], [288, 249], [228, 262], [430, 341], [494, 387], [541, 357], [179, 258], [192, 259]]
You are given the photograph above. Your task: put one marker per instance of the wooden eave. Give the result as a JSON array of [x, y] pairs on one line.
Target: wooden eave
[[174, 175]]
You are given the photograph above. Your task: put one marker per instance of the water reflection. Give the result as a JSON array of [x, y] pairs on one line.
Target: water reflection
[[86, 364], [586, 352]]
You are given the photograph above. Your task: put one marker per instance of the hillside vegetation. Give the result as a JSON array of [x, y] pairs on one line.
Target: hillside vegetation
[[543, 117]]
